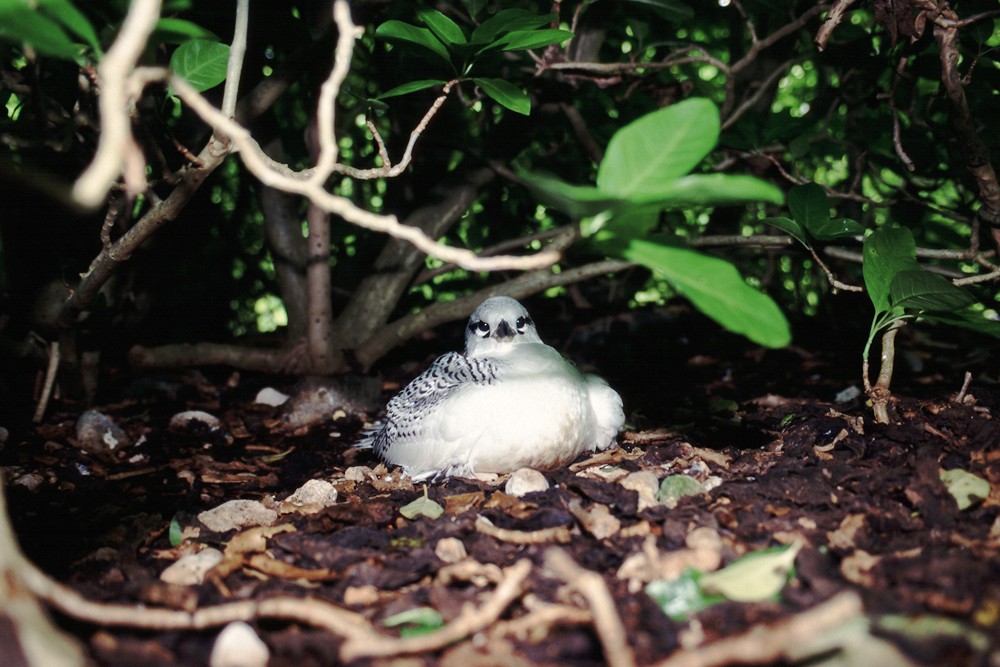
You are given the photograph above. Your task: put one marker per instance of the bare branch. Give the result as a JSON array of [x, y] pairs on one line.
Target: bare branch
[[237, 52], [117, 151], [834, 18]]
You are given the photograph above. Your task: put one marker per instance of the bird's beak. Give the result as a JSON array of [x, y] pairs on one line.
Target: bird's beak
[[503, 332]]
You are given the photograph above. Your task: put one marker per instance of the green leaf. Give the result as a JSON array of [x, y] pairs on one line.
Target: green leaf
[[521, 40], [21, 25], [659, 147], [967, 489], [923, 290], [404, 32], [837, 228], [508, 20], [698, 189], [411, 87], [967, 318], [755, 577], [577, 201], [682, 597], [201, 63], [675, 487], [443, 27], [887, 251], [422, 505], [505, 93], [73, 19], [809, 206], [177, 31], [717, 289], [175, 533], [421, 621], [790, 227]]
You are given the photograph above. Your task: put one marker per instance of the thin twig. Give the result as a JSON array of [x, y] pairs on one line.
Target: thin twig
[[50, 380], [237, 52], [763, 645], [470, 621], [607, 622]]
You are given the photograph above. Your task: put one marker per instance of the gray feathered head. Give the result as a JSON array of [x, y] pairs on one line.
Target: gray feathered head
[[497, 325]]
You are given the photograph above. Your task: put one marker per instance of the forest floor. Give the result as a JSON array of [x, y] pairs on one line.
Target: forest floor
[[889, 569]]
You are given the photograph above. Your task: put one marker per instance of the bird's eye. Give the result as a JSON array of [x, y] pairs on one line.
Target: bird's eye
[[483, 327], [521, 324]]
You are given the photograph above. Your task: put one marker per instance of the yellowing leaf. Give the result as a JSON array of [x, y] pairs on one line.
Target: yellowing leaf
[[422, 505], [757, 576], [967, 489]]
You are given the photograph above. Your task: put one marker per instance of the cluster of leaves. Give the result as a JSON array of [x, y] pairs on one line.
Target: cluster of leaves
[[646, 170], [900, 289], [57, 29], [508, 30]]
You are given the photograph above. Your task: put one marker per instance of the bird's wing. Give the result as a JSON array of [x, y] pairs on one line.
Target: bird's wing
[[406, 412]]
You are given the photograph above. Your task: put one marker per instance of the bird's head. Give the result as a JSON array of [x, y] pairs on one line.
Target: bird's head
[[497, 325]]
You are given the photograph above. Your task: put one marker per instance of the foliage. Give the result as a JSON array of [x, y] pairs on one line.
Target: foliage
[[508, 30], [645, 170], [654, 127], [900, 289]]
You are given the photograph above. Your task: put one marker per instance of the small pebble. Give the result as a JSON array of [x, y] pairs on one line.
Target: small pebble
[[182, 420], [525, 481], [450, 550], [190, 570], [239, 646], [98, 433], [236, 514]]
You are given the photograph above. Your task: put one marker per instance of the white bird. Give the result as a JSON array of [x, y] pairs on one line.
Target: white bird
[[509, 402]]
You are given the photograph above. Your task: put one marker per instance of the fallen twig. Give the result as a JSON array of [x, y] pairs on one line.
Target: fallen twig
[[767, 644], [470, 621], [607, 622], [543, 536]]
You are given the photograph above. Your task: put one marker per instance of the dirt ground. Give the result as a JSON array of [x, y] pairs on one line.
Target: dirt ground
[[889, 570]]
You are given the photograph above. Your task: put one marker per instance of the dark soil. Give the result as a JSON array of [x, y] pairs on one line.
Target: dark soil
[[866, 501]]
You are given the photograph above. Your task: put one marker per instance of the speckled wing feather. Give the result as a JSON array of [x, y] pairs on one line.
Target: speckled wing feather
[[406, 412]]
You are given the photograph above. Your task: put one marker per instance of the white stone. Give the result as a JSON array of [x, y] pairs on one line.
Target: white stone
[[270, 396], [239, 646], [236, 514], [316, 493], [190, 570], [450, 550], [182, 419], [525, 480], [646, 484]]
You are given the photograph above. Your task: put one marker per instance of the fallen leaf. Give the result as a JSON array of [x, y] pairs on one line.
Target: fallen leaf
[[757, 576], [967, 489]]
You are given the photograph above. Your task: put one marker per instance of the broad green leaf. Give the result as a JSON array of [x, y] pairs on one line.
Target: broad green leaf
[[202, 63], [508, 20], [755, 577], [411, 87], [966, 318], [404, 32], [577, 201], [419, 621], [505, 93], [923, 290], [613, 228], [659, 147], [887, 251], [21, 25], [809, 206], [422, 505], [837, 228], [73, 19], [443, 27], [520, 40], [790, 227], [717, 289], [682, 597], [177, 31], [967, 489], [698, 189]]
